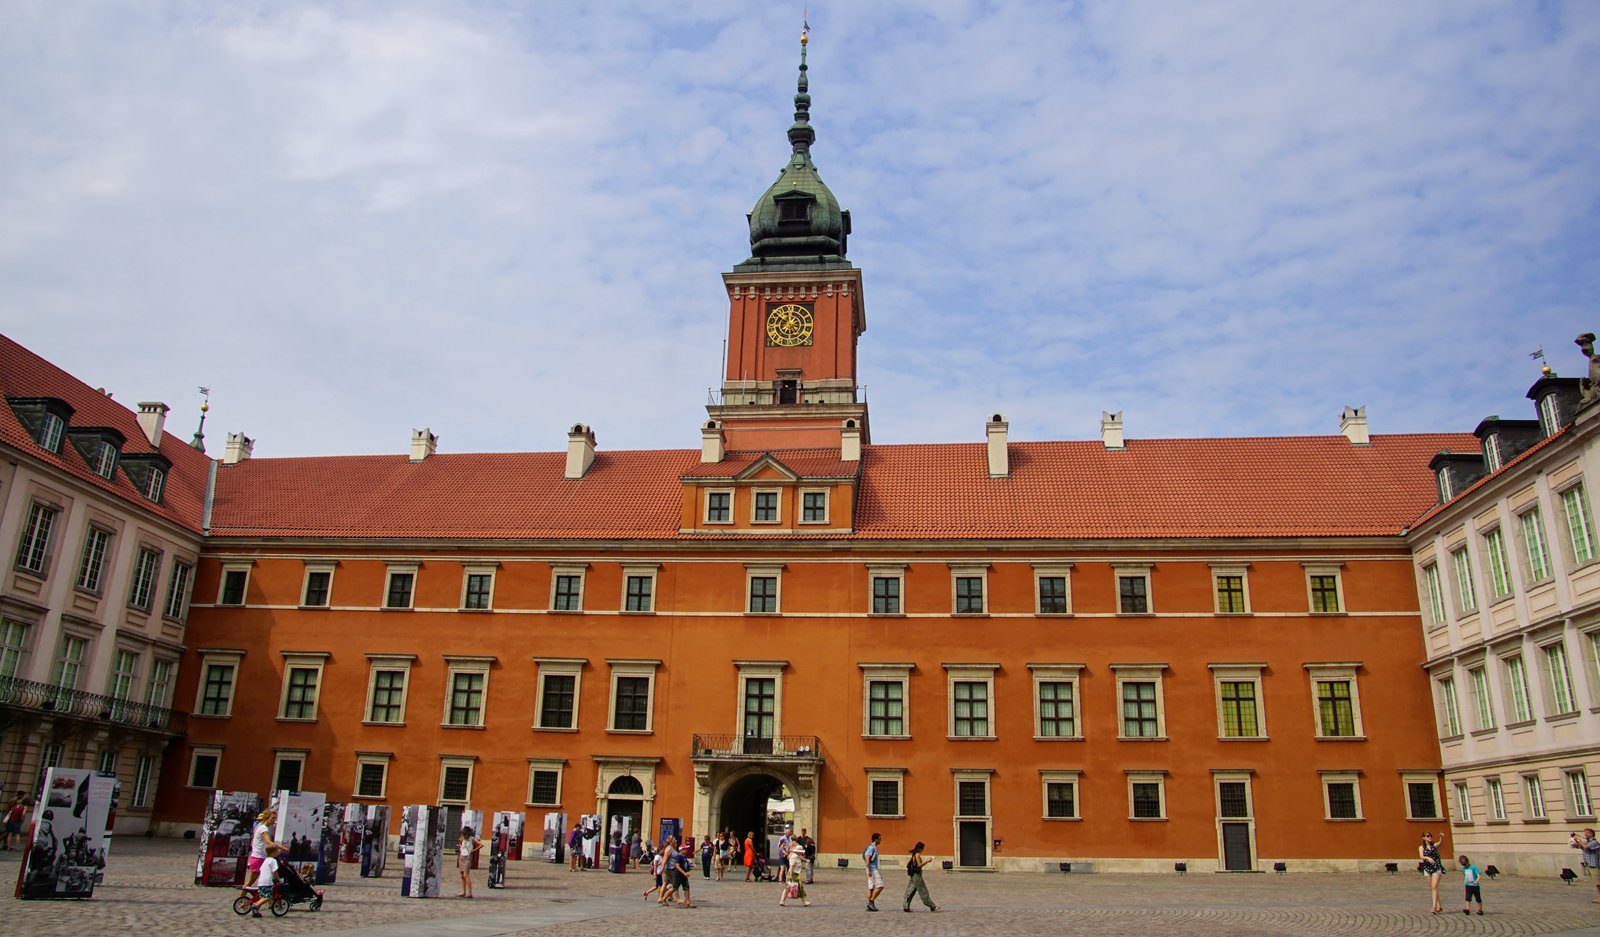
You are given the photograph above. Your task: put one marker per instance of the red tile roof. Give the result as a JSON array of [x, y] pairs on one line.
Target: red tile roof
[[1156, 488], [1524, 454], [25, 374], [806, 463]]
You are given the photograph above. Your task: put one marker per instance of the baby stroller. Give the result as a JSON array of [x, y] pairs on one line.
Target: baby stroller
[[289, 890], [761, 871]]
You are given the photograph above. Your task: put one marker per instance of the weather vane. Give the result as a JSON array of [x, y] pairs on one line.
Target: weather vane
[[199, 440]]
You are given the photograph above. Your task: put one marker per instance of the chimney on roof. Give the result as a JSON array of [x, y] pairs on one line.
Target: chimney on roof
[[153, 419], [850, 441], [711, 443], [423, 444], [580, 450], [999, 457], [1111, 430], [1353, 424], [238, 449]]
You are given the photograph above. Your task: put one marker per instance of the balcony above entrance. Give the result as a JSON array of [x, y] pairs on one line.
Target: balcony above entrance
[[784, 749]]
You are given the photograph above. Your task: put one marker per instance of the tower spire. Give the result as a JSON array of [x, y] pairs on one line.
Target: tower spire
[[801, 136], [199, 440]]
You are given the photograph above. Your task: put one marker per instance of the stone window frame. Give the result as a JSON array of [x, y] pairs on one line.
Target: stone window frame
[[30, 541], [1351, 776], [563, 667], [1153, 672], [1494, 795], [196, 752], [109, 532], [1219, 571], [209, 657], [558, 766], [318, 567], [1067, 673], [756, 495], [559, 571], [282, 755], [1530, 520], [805, 509], [1250, 672], [1432, 588], [1429, 777], [1314, 570], [1141, 571], [1462, 801], [1513, 666], [960, 571], [981, 673], [469, 763], [1069, 776], [886, 672], [650, 572], [1334, 672], [1572, 493], [1482, 689], [705, 507], [229, 569], [1138, 776], [1534, 809], [1447, 704], [1062, 571], [1464, 580], [764, 670], [387, 662], [891, 571], [460, 665], [1497, 564], [1575, 793], [633, 667], [313, 661], [895, 776], [371, 758], [1549, 645], [179, 593], [147, 602], [472, 570], [411, 568], [754, 571]]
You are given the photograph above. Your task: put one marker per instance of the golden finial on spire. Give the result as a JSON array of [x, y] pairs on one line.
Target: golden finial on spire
[[805, 31]]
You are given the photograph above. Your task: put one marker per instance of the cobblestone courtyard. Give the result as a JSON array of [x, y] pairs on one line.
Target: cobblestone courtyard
[[149, 888]]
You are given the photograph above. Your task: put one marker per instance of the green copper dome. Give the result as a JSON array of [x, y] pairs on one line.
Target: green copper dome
[[797, 223]]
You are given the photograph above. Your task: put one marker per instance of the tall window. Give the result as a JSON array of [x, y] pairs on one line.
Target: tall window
[[1239, 709], [766, 507], [557, 704], [1466, 595], [157, 692], [68, 666], [233, 586], [632, 713], [399, 591], [1561, 695], [969, 595], [300, 693], [92, 565], [718, 507], [1430, 577], [1517, 682], [388, 696], [1578, 804], [1057, 712], [639, 594], [1580, 527], [760, 707], [568, 593], [1493, 457], [1494, 553], [124, 671], [479, 588], [1336, 708], [1452, 712], [886, 595], [814, 507], [51, 429], [155, 483], [288, 771], [970, 709], [318, 585], [216, 690], [1324, 592], [13, 645], [140, 795], [763, 594], [1482, 701], [104, 459], [1535, 545], [1230, 595], [1133, 594], [886, 707], [1532, 797], [1497, 799], [35, 544], [144, 578], [466, 699], [1463, 804], [1139, 709], [1052, 595], [177, 603], [1549, 419]]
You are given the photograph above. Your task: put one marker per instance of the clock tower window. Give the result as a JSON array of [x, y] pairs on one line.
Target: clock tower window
[[788, 387]]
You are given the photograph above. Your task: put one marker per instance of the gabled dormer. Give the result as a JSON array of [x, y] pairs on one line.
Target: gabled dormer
[[45, 418], [100, 447], [798, 491], [1504, 440], [148, 472]]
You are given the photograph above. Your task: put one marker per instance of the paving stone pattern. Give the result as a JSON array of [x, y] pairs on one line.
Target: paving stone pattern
[[148, 889]]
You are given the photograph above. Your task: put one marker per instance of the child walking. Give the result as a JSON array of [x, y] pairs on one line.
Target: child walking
[[266, 878], [1471, 876]]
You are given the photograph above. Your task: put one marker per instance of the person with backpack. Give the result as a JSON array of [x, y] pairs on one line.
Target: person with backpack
[[874, 877], [915, 884]]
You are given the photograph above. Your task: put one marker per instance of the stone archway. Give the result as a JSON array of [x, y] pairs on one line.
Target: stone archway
[[735, 792]]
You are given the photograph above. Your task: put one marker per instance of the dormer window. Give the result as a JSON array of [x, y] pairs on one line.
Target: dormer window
[[104, 462], [1445, 489], [148, 473], [155, 484], [1492, 456], [794, 210], [1549, 419], [50, 432], [45, 418], [100, 447]]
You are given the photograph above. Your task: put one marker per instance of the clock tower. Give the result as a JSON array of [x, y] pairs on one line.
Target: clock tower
[[795, 312]]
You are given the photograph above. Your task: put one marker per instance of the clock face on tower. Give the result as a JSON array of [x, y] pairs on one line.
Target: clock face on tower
[[789, 325]]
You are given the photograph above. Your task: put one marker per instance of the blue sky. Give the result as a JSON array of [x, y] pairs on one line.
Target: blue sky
[[498, 219]]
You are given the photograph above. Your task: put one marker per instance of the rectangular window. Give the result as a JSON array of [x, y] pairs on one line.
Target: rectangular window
[[1517, 682], [972, 798], [1061, 800], [51, 429], [969, 595], [718, 507], [233, 586], [766, 507], [140, 795], [1535, 545], [1482, 702], [1335, 708], [398, 595], [34, 548], [466, 699], [124, 671], [1578, 805], [1324, 592], [479, 590], [156, 692], [216, 690], [203, 768], [1497, 799], [318, 583], [1562, 698], [886, 707], [1052, 595], [632, 712], [763, 594], [455, 783], [885, 798], [177, 604], [287, 772], [558, 701], [144, 578], [1057, 711], [92, 565], [1494, 554], [155, 483], [1422, 800], [760, 707], [970, 709], [1139, 718], [1463, 804], [1238, 700], [1430, 577], [568, 594], [1451, 711], [104, 460], [639, 594], [1580, 528], [388, 696], [814, 507], [300, 693], [1342, 800], [544, 787], [886, 595], [1549, 419], [1466, 595], [13, 645], [1230, 595], [68, 666], [1133, 594], [1532, 797], [371, 778], [1146, 800]]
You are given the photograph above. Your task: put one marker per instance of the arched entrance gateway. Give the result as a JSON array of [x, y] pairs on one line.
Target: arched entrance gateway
[[732, 789]]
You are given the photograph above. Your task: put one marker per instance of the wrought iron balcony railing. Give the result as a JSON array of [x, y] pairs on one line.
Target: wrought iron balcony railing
[[46, 697], [740, 746]]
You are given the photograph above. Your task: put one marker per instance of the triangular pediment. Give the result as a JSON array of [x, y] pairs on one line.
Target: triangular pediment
[[767, 468]]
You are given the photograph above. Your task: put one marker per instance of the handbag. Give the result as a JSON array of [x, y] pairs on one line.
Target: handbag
[[793, 891]]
